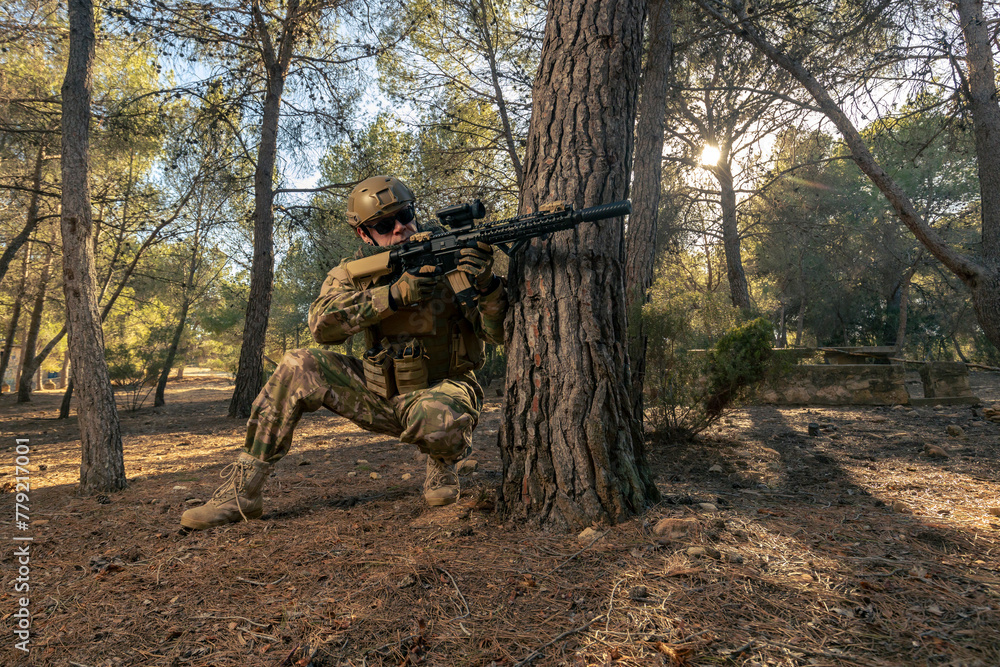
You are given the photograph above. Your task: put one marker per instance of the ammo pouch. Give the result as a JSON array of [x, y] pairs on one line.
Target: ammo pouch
[[379, 377], [388, 375], [411, 368]]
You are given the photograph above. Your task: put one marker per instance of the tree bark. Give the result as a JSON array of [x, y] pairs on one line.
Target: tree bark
[[571, 447], [29, 362], [647, 179], [102, 467], [251, 367], [15, 316], [31, 221], [739, 292], [982, 96]]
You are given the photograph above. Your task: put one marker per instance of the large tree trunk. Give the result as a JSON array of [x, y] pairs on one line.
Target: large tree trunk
[[63, 372], [15, 316], [102, 467], [739, 292], [250, 372], [251, 367], [571, 447], [982, 95], [29, 362], [31, 221], [647, 179]]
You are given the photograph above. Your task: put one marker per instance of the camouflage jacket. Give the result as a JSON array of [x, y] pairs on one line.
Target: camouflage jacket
[[451, 335]]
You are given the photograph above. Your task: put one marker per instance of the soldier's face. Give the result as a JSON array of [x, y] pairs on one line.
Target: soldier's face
[[400, 233]]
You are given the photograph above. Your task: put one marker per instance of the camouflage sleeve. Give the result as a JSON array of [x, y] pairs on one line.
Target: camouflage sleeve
[[489, 315], [342, 310]]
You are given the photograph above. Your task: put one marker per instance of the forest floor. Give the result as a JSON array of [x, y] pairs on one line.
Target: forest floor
[[850, 548]]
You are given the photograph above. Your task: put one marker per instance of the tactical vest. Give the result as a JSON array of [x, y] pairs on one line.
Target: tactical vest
[[420, 345]]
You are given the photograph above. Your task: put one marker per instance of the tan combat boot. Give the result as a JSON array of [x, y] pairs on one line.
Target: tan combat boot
[[441, 487], [238, 498]]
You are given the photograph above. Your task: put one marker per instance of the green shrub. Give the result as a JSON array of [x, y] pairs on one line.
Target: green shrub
[[688, 390], [136, 342], [738, 364], [133, 372]]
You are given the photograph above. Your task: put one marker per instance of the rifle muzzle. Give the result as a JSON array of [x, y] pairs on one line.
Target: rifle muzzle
[[604, 211]]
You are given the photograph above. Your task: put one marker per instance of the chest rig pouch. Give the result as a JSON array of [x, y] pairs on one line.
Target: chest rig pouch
[[379, 376], [420, 345], [411, 368], [392, 369]]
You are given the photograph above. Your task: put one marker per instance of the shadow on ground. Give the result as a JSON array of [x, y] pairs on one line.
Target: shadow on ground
[[851, 548]]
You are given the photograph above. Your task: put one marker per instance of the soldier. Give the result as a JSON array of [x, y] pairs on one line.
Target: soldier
[[416, 380]]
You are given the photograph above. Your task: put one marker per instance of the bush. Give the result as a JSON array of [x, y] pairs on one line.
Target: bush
[[738, 364], [688, 390], [133, 372], [135, 348]]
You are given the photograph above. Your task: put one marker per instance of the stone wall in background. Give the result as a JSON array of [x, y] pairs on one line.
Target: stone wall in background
[[838, 384]]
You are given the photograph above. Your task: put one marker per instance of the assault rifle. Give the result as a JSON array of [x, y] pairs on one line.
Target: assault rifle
[[442, 249]]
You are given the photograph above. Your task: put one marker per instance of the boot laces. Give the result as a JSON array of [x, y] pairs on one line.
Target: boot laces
[[440, 475], [235, 475]]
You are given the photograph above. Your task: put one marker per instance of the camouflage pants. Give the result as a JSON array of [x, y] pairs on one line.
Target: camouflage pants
[[439, 420]]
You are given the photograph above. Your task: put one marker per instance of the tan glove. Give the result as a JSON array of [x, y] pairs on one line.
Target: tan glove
[[478, 263], [410, 288]]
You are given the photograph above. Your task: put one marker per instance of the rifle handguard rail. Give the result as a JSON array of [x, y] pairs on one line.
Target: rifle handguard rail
[[441, 248]]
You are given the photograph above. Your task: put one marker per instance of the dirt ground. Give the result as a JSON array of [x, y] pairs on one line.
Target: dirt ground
[[849, 548]]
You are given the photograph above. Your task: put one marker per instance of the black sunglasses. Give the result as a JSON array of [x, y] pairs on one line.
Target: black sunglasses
[[386, 225]]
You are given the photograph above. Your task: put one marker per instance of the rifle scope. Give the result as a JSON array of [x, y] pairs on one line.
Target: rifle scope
[[459, 216]]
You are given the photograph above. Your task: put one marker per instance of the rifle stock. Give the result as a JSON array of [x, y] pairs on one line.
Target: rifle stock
[[368, 269]]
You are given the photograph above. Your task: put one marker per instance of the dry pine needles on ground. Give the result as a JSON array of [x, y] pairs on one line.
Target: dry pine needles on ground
[[852, 548]]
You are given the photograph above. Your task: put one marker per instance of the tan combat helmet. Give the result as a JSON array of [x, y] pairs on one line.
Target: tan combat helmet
[[375, 198]]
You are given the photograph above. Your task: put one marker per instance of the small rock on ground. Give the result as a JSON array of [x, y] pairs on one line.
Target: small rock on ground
[[935, 452]]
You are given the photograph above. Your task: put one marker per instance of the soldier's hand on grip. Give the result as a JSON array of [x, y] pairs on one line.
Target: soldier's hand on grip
[[413, 288], [478, 263]]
